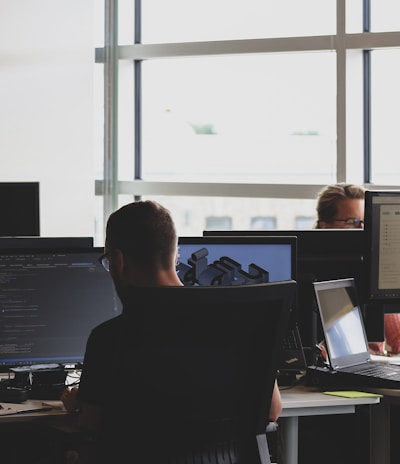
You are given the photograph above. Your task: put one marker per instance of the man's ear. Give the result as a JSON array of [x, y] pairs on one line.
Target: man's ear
[[119, 261]]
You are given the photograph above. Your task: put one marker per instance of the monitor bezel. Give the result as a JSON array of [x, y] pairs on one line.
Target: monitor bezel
[[314, 246]]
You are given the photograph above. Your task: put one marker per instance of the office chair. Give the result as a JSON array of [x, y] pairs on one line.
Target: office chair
[[194, 373]]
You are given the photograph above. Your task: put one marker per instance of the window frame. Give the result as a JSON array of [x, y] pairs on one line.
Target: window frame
[[341, 43]]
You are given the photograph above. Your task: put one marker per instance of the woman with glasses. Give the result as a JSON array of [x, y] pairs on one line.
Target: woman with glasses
[[341, 206]]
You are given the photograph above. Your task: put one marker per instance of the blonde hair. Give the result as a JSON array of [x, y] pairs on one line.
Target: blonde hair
[[329, 196]]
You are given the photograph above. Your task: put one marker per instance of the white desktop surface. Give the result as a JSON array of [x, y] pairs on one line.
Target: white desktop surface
[[300, 398], [309, 401]]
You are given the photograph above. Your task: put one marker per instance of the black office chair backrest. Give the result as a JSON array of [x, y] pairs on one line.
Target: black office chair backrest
[[195, 372]]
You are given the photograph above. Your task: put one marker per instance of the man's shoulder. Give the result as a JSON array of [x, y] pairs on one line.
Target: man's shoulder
[[109, 324]]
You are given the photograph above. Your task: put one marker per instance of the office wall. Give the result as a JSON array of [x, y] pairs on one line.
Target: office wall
[[47, 131]]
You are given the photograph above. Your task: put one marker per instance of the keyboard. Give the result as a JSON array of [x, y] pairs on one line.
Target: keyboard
[[292, 359], [290, 341]]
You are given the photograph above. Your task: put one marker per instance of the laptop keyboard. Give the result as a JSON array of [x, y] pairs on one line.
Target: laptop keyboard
[[374, 370]]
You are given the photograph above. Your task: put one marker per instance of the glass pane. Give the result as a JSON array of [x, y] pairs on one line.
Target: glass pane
[[264, 118], [186, 21], [385, 15], [304, 222], [385, 93], [263, 222], [354, 16], [126, 120], [218, 223], [126, 17], [190, 213]]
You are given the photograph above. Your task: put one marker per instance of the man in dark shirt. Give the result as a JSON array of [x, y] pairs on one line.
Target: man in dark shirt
[[140, 251]]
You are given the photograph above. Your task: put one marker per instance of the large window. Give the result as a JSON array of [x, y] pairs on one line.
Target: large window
[[228, 108], [247, 109], [245, 119]]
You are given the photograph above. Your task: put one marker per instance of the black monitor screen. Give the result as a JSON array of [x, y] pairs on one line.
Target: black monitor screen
[[19, 209], [322, 254], [382, 227], [49, 302]]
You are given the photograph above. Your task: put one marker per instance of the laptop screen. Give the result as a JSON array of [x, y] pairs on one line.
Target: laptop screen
[[342, 322]]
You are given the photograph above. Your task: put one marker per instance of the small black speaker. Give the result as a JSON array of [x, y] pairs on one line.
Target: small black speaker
[[10, 394]]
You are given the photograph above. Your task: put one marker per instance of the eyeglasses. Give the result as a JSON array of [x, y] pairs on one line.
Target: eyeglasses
[[103, 260], [351, 222]]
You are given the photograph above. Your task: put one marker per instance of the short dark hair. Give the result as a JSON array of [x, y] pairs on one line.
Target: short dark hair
[[144, 231], [329, 197]]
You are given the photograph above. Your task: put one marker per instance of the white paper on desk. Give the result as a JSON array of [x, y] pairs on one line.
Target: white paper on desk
[[386, 359], [53, 404], [9, 409]]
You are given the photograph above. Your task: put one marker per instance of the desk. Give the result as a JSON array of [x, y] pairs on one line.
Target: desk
[[296, 402], [56, 410], [380, 419], [32, 437], [309, 401]]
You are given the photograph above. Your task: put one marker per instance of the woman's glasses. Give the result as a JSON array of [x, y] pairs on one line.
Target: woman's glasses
[[354, 223]]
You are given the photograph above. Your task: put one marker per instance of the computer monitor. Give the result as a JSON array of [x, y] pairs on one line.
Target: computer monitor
[[17, 243], [19, 209], [50, 300], [382, 227], [322, 254], [237, 260]]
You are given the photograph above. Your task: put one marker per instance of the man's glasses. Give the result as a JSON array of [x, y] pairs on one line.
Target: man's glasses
[[354, 223], [103, 260]]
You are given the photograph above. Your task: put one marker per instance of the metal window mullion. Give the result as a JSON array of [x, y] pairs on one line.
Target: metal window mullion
[[110, 199], [367, 95], [367, 115], [138, 97], [341, 165]]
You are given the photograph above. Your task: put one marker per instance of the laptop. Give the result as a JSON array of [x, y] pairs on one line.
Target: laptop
[[350, 361]]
